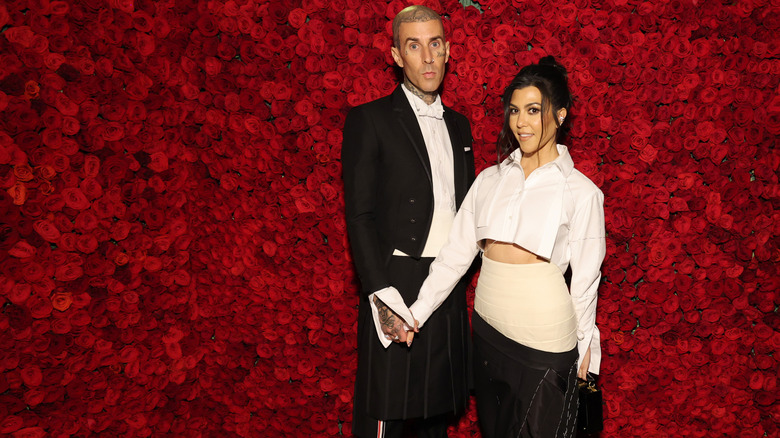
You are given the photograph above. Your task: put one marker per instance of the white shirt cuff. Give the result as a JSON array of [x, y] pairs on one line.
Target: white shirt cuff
[[392, 299], [421, 310], [595, 351]]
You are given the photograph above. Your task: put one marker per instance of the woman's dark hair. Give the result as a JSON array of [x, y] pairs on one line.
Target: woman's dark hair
[[550, 78]]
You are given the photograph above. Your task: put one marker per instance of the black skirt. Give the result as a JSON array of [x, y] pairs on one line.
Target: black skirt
[[522, 391], [429, 378]]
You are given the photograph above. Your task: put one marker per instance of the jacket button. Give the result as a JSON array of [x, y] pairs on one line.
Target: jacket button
[[411, 200], [413, 220], [414, 239]]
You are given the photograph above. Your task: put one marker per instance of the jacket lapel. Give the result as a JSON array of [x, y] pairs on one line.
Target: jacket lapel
[[408, 123], [458, 156]]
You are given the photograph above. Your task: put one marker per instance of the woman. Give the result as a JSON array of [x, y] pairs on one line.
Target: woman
[[533, 216]]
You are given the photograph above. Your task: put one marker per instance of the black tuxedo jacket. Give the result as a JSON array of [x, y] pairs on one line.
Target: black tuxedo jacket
[[388, 187]]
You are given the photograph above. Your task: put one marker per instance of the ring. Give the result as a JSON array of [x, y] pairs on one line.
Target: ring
[[396, 337]]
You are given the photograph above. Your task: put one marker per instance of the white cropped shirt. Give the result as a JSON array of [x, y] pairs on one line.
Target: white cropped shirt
[[556, 213]]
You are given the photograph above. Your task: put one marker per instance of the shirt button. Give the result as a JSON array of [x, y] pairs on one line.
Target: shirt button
[[411, 200], [414, 239], [413, 220]]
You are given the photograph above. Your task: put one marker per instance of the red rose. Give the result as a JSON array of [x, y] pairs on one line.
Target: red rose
[[33, 398], [31, 89], [47, 230], [20, 35], [75, 198], [39, 307], [297, 18], [62, 301], [31, 375], [158, 162], [22, 249], [68, 272], [19, 193]]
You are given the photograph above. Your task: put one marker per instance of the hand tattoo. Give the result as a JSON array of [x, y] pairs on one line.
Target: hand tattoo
[[386, 316]]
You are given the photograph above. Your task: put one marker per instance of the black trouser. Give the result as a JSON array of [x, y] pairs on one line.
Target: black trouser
[[521, 391], [434, 427]]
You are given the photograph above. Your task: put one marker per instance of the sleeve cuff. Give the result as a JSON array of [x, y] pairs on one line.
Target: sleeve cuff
[[595, 351], [393, 299], [419, 309]]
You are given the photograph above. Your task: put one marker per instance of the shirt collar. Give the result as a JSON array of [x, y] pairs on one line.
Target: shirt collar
[[564, 162], [436, 109]]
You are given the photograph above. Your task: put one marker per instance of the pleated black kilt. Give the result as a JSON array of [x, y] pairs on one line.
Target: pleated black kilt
[[429, 378]]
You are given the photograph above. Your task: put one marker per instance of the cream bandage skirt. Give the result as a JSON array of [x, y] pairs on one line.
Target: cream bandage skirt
[[528, 303]]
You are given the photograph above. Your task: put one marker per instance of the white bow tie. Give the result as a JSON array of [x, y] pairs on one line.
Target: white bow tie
[[435, 110]]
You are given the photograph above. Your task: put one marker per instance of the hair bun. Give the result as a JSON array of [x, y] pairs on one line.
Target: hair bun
[[550, 61]]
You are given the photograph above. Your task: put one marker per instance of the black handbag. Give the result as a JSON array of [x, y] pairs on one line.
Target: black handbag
[[590, 413]]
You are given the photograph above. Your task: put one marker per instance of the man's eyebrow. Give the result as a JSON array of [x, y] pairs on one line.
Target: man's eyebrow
[[417, 40]]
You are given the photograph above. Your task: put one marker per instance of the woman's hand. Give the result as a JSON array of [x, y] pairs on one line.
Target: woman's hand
[[411, 331], [582, 373]]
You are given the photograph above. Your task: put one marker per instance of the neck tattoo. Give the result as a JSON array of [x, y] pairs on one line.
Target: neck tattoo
[[428, 98]]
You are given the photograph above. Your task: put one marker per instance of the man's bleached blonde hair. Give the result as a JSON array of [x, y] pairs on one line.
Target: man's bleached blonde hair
[[412, 14]]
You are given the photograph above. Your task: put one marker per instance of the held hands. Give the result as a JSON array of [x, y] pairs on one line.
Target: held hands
[[393, 326]]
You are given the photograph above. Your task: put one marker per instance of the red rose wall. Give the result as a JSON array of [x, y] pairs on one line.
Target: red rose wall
[[173, 257]]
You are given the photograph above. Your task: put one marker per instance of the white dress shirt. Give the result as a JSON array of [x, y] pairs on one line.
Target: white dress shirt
[[556, 213], [439, 148], [437, 143]]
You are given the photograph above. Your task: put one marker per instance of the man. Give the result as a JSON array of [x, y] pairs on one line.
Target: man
[[407, 164]]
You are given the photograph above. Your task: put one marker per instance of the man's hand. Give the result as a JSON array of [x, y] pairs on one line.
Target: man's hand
[[393, 326]]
